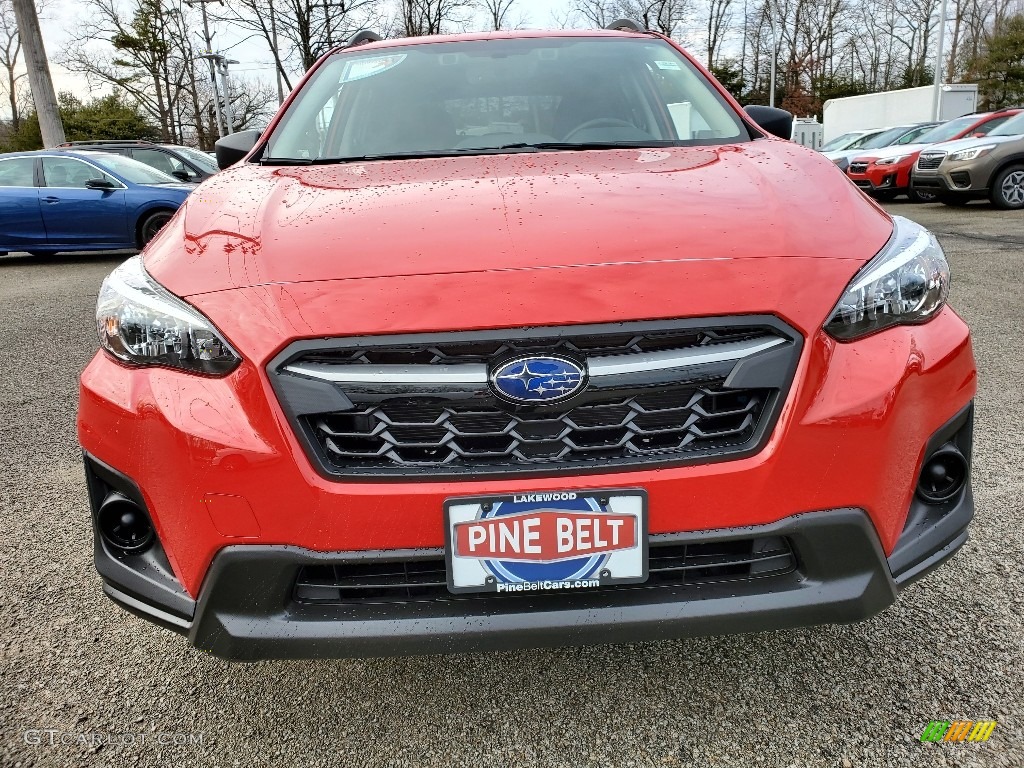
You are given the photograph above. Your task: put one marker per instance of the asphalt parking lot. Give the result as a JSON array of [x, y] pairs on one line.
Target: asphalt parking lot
[[77, 672]]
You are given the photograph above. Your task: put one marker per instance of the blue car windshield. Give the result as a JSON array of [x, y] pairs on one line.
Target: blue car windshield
[[474, 96], [131, 170]]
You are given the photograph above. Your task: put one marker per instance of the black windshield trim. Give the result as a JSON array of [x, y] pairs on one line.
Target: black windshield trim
[[505, 149]]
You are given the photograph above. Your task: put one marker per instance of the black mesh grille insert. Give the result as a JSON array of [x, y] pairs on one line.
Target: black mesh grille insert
[[670, 565], [928, 162], [435, 431]]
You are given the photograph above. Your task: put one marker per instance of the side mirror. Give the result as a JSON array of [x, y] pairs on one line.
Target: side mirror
[[182, 175], [777, 122], [100, 184], [234, 147]]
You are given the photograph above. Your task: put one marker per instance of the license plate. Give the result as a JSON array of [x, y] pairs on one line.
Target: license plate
[[546, 541]]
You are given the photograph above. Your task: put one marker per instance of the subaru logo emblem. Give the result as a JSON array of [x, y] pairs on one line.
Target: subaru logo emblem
[[537, 380]]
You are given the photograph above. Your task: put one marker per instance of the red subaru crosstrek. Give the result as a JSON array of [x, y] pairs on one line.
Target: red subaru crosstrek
[[522, 339]]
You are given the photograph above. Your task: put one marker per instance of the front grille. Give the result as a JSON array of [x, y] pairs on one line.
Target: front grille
[[398, 406], [479, 433], [858, 167], [424, 580], [930, 161]]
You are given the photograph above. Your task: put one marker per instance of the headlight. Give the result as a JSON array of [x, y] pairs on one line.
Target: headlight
[[891, 160], [904, 284], [140, 322], [972, 153]]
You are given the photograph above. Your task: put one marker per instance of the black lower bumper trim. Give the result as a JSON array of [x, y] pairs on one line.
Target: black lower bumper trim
[[246, 610], [142, 583], [934, 532]]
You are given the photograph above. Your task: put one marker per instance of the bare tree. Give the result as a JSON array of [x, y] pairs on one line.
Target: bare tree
[[497, 12], [10, 58], [598, 13], [298, 32], [147, 51], [665, 16], [430, 17], [720, 16]]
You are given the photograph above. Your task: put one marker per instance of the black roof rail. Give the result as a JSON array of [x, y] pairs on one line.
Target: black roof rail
[[362, 37], [625, 25], [106, 141], [1004, 109]]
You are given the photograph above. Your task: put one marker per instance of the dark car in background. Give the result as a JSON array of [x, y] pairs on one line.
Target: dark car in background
[[183, 163], [54, 200]]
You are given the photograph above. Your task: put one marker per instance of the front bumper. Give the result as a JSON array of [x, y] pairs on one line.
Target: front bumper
[[250, 606], [227, 485], [884, 179], [968, 178], [247, 610]]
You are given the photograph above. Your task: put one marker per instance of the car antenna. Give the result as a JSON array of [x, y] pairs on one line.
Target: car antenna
[[625, 25], [362, 37]]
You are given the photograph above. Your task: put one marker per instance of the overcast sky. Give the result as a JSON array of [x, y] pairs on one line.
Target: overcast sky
[[253, 56]]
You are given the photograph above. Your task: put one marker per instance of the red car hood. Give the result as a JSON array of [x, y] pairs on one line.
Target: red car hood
[[254, 225]]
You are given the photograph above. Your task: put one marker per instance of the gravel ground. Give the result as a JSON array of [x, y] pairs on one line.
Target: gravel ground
[[72, 663]]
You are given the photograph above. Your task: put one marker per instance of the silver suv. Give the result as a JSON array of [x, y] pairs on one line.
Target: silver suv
[[969, 169]]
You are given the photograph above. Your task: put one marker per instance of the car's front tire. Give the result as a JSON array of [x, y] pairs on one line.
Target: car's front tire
[[1008, 188], [151, 224]]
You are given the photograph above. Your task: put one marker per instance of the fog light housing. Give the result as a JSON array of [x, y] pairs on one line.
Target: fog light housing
[[943, 475], [123, 524]]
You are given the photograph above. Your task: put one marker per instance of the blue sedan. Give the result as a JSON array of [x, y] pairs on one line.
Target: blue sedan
[[53, 200]]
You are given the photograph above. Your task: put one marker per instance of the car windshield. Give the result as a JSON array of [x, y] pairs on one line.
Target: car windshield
[[841, 142], [200, 159], [131, 170], [518, 94], [863, 140], [885, 138], [1012, 127], [948, 131]]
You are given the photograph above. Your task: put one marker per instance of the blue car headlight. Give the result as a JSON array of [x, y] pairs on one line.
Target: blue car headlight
[[906, 283], [142, 323]]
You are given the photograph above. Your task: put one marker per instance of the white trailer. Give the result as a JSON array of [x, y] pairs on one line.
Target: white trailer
[[890, 108]]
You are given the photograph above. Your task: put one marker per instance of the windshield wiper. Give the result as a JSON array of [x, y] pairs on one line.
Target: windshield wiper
[[454, 152], [286, 161], [585, 145], [463, 151]]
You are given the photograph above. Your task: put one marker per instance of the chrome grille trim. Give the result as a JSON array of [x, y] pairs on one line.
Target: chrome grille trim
[[461, 375], [393, 374], [725, 352]]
